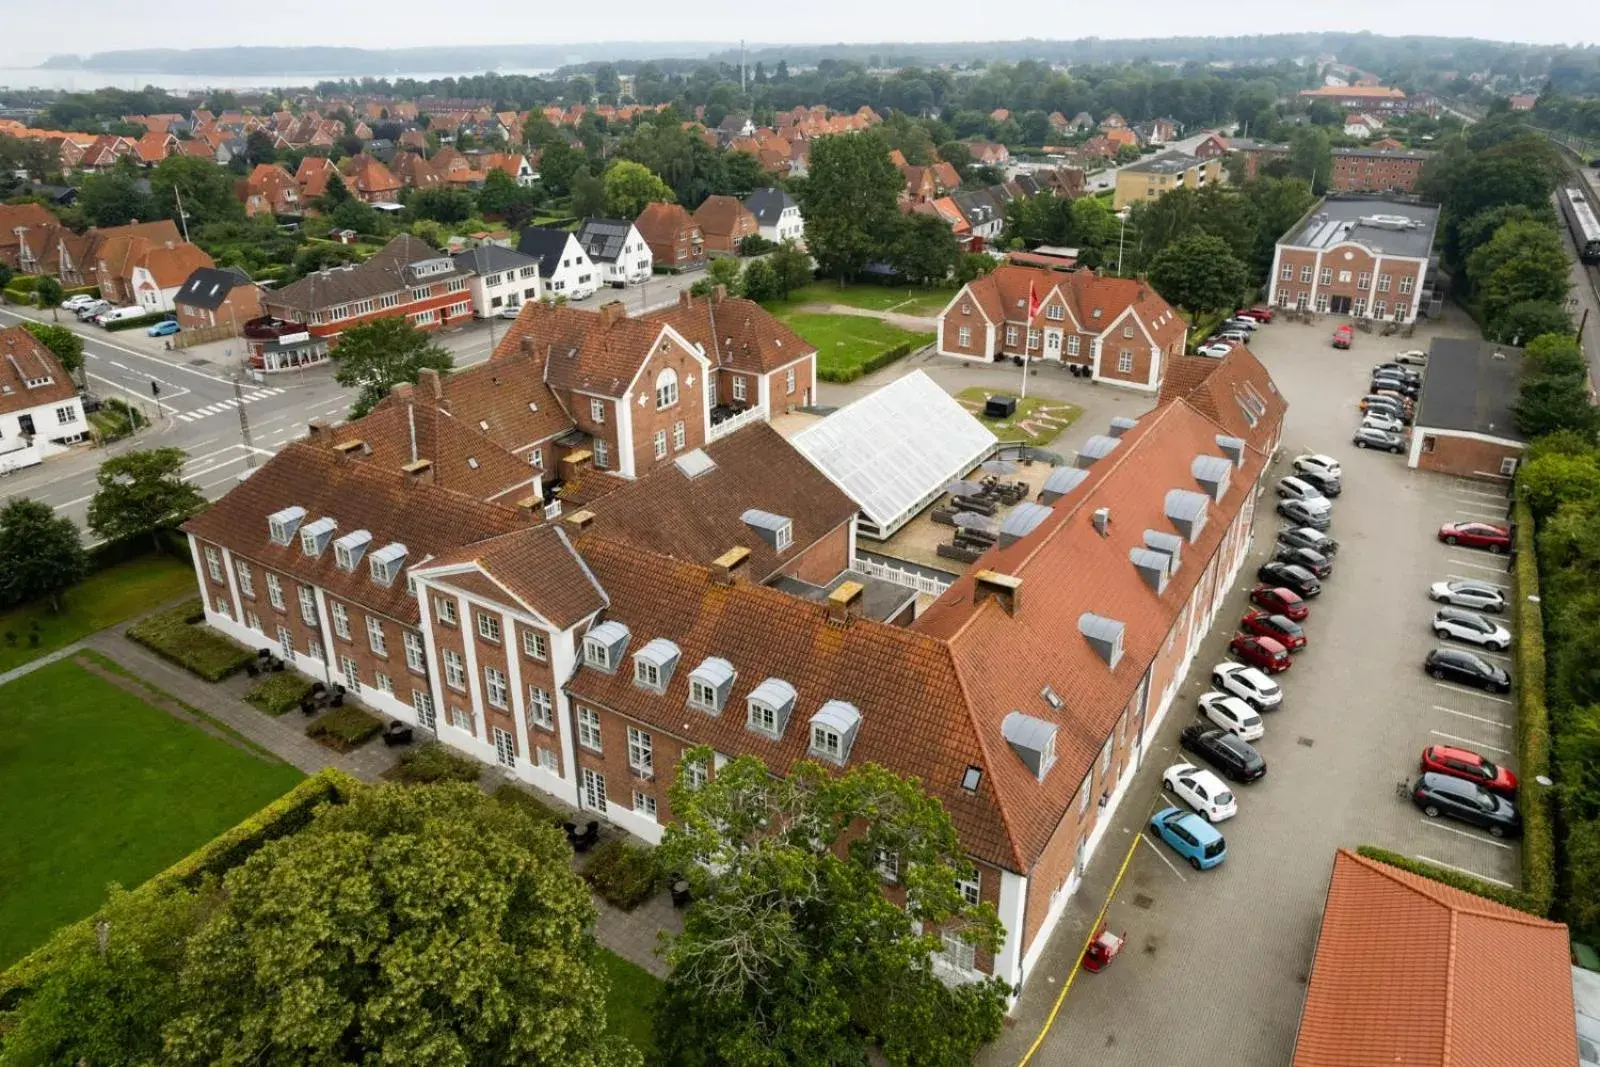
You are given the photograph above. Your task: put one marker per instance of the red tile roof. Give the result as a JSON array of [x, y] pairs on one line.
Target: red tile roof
[[24, 359], [661, 223], [463, 458], [723, 216], [585, 351], [1415, 973], [1096, 302], [509, 393], [735, 333], [537, 566]]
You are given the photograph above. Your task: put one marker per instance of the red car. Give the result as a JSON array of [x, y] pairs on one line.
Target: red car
[[1261, 313], [1280, 602], [1280, 628], [1476, 535], [1261, 652], [1468, 765], [1343, 336]]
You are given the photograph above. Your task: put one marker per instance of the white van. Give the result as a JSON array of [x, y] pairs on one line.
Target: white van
[[118, 314]]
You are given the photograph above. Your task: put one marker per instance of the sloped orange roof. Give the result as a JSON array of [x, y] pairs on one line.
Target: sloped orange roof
[[1410, 972]]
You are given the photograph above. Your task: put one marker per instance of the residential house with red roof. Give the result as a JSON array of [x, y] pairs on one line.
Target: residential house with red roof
[[104, 151], [15, 221], [153, 147], [724, 221], [312, 177], [40, 412], [369, 180], [269, 189], [675, 239]]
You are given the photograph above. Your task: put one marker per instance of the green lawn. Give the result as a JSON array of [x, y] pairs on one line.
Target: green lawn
[[98, 786], [633, 991], [925, 302], [103, 599], [850, 345], [1037, 420]]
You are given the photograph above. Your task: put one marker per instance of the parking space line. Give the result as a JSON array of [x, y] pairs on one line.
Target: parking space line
[[1481, 581], [1478, 566], [1471, 692], [1476, 651], [1462, 833], [1470, 741], [1170, 865], [1462, 870], [1478, 492], [1476, 512], [1474, 718]]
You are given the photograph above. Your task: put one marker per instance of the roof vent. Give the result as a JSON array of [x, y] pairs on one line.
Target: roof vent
[[1170, 545], [1022, 520], [1060, 482], [1152, 567], [1033, 740], [1212, 472], [1005, 588], [1232, 447], [1187, 510], [1104, 635], [1121, 424], [1102, 520], [1097, 447]]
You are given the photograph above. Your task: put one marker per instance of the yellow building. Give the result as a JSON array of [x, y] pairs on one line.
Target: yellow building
[[1150, 179]]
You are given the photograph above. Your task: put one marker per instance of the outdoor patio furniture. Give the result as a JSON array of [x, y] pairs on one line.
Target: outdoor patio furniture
[[583, 840], [944, 516], [318, 687], [397, 733], [680, 892], [998, 466], [965, 555], [336, 698]]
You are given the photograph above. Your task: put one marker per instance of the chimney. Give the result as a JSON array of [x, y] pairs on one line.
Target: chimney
[[581, 520], [612, 311], [1005, 588], [317, 430], [685, 298], [402, 391], [1102, 520], [726, 566], [346, 449], [429, 383], [841, 602], [531, 508], [573, 462], [719, 294], [419, 472]]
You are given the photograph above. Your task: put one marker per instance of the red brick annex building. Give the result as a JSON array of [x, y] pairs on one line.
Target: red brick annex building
[[585, 653]]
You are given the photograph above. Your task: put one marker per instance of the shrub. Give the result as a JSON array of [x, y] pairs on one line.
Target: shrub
[[137, 321], [277, 693], [1511, 898], [173, 635], [24, 283], [116, 419], [754, 245], [866, 366], [625, 875], [536, 809], [345, 728], [435, 762], [1533, 722]]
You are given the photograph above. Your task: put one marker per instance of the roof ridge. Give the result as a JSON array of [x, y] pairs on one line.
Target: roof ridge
[[968, 705], [1432, 890], [1445, 1023]]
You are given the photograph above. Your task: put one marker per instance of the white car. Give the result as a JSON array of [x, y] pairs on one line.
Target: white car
[[1248, 325], [1203, 791], [1233, 715], [1469, 594], [1248, 684], [1383, 422], [1472, 628], [1236, 336], [73, 303], [1316, 463], [510, 311], [1214, 349], [1414, 355]]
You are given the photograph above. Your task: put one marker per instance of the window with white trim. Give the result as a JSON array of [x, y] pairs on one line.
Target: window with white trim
[[597, 409], [213, 564], [314, 650], [540, 711], [763, 718], [308, 605], [445, 609], [547, 759], [351, 672], [660, 443], [738, 387], [455, 674], [971, 888], [286, 641], [1125, 362], [252, 620], [1305, 275], [414, 657], [964, 336], [644, 804], [1072, 344], [641, 753], [1406, 282], [826, 742], [666, 389], [888, 865], [341, 619], [274, 591], [1056, 312], [788, 380], [375, 638], [66, 414], [957, 951], [1383, 283], [488, 627], [423, 702], [1325, 276], [1287, 273], [694, 775], [494, 686], [247, 581], [678, 436], [533, 645], [505, 749], [703, 695], [589, 728], [602, 458], [463, 720], [1011, 335], [647, 673], [384, 684]]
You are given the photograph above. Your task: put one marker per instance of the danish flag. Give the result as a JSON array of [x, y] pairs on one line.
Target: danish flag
[[1033, 302]]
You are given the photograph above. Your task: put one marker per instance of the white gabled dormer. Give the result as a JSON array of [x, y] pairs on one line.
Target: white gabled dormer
[[654, 663], [768, 707], [281, 525], [833, 731], [348, 550], [386, 563], [605, 645], [314, 536], [710, 684]]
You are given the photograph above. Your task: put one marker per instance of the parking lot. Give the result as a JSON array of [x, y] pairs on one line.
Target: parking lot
[[1217, 961]]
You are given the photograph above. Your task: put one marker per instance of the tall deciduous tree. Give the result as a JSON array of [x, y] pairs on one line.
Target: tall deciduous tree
[[63, 343], [1311, 158], [793, 953], [142, 492], [112, 199], [1524, 260], [376, 356], [629, 186], [588, 194], [849, 197], [442, 204], [41, 554], [204, 189], [922, 249], [1198, 273], [50, 293], [791, 268]]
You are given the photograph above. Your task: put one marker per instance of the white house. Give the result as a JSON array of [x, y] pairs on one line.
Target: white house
[[501, 278], [777, 214], [564, 267], [40, 413], [617, 248], [1361, 127]]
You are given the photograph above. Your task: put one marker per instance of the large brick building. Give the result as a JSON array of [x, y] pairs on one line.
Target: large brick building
[[1376, 170], [1364, 257], [585, 655], [1119, 329]]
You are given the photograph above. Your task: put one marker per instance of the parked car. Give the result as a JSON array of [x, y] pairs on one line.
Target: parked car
[[1317, 463], [1309, 558], [1241, 322], [1477, 535], [105, 318], [1232, 714], [1295, 488], [1474, 629], [73, 303], [1394, 383], [1394, 405], [1343, 336], [1306, 537], [1469, 593], [92, 309], [1412, 355], [165, 328], [1281, 601], [1329, 485], [1439, 794], [510, 311], [1248, 684], [1290, 576], [1262, 652], [1238, 337], [1202, 790], [1383, 422], [1410, 373], [1282, 629], [1214, 349], [1467, 765], [1459, 665], [1366, 437], [1262, 313], [1234, 757], [1317, 514], [1190, 837]]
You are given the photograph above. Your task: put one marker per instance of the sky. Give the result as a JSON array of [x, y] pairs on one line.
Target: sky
[[33, 31]]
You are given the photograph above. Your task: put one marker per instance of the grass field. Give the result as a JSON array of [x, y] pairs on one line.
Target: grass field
[[98, 786], [848, 344], [103, 599], [1037, 421], [925, 302], [633, 991]]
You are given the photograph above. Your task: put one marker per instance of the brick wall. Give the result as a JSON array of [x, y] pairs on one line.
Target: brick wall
[[1464, 456], [1352, 276], [977, 340], [780, 396], [1375, 174], [581, 405], [689, 410], [612, 759], [537, 673], [820, 563]]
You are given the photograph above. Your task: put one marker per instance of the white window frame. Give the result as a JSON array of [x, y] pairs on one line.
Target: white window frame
[[495, 688], [739, 389], [274, 591], [964, 336], [247, 581], [375, 639], [533, 645], [505, 747], [641, 753], [826, 742], [589, 729], [455, 671], [887, 864], [761, 718], [286, 640], [308, 606], [351, 671], [593, 790], [971, 888], [660, 444], [415, 657], [704, 695], [213, 564], [788, 381], [644, 804], [678, 436], [956, 951], [488, 627], [445, 608], [597, 410], [340, 617], [1125, 361], [541, 712], [602, 457], [646, 673], [666, 389], [694, 775]]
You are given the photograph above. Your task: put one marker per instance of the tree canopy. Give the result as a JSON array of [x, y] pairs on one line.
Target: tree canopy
[[378, 355], [141, 492], [41, 554], [1199, 273], [849, 200], [629, 187], [66, 345]]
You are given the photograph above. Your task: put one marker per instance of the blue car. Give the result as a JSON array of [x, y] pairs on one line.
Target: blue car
[[163, 329], [1190, 836]]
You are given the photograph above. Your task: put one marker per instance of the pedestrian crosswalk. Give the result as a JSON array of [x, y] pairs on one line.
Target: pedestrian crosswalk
[[227, 405]]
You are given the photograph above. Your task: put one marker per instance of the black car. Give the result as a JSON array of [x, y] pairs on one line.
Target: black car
[[1237, 759], [1397, 384], [1290, 576], [1439, 794], [1309, 558], [1306, 537], [1459, 665], [1397, 370], [1328, 485]]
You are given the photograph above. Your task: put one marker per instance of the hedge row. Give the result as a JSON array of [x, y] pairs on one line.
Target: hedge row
[[174, 637], [344, 728], [538, 810], [137, 321], [1534, 802], [625, 875], [1511, 898], [434, 761], [866, 366], [277, 693], [284, 816]]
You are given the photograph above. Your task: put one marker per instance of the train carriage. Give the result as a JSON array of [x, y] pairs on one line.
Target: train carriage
[[1578, 210]]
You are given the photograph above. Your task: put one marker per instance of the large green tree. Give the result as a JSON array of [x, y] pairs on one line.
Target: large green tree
[[1199, 273], [66, 345], [791, 268], [41, 554], [441, 204], [113, 199], [793, 952], [1524, 260], [629, 187], [50, 292], [378, 355], [204, 190], [849, 198], [142, 492], [922, 249], [1311, 158]]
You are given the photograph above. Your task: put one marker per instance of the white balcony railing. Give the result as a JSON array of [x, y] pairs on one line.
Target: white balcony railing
[[734, 422]]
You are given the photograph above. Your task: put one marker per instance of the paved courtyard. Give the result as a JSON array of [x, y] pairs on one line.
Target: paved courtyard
[[1217, 962]]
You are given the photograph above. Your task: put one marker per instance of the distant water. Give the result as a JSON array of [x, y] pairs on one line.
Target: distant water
[[83, 80]]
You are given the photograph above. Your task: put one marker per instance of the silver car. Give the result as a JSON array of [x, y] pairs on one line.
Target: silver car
[[1467, 593], [1383, 421], [1369, 438], [1292, 488], [1472, 628]]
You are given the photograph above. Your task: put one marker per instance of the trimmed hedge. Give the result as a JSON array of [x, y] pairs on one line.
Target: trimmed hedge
[[116, 419], [1202, 326], [1511, 898], [866, 366], [284, 816], [537, 809], [625, 875], [344, 728], [1534, 802], [137, 321], [278, 693], [23, 283], [173, 635], [435, 761]]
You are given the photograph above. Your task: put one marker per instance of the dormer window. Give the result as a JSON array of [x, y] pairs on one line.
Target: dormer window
[[768, 707], [833, 731], [385, 564], [314, 537], [710, 685], [653, 664], [1033, 740], [348, 550], [283, 524], [604, 646]]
